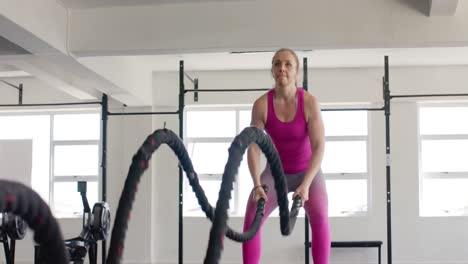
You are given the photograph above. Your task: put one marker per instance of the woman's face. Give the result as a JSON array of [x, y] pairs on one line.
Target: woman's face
[[284, 69]]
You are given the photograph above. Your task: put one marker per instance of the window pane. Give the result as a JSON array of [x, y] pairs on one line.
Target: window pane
[[245, 184], [443, 120], [444, 155], [345, 123], [444, 197], [67, 199], [211, 123], [211, 189], [345, 157], [244, 119], [209, 158], [77, 127], [73, 160], [347, 197], [22, 126]]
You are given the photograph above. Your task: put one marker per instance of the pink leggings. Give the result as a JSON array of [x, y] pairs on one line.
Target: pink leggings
[[316, 209]]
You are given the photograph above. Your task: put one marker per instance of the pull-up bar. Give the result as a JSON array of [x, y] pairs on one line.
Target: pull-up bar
[[226, 90], [426, 95], [50, 104], [352, 109], [143, 113]]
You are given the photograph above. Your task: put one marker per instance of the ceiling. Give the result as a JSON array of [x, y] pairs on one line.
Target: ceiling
[[342, 58], [316, 59], [68, 69], [9, 48]]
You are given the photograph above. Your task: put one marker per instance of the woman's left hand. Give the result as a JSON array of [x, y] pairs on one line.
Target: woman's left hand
[[303, 192]]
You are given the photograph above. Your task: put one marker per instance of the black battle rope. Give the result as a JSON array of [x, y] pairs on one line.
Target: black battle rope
[[236, 152], [22, 201], [140, 163]]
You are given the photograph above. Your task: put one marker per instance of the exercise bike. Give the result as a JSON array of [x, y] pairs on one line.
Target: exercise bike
[[12, 228], [96, 226]]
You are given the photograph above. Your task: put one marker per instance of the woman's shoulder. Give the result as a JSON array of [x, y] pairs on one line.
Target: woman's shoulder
[[259, 111], [311, 105], [310, 99], [262, 100]]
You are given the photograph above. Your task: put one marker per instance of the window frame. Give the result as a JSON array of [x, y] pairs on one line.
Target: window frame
[[53, 178], [443, 175], [235, 211], [354, 175], [214, 177], [52, 143]]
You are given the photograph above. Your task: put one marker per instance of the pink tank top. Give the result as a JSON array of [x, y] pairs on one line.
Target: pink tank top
[[291, 138]]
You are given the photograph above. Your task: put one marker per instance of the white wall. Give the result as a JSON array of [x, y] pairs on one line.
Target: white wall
[[126, 134], [415, 239], [34, 91], [12, 151], [126, 73]]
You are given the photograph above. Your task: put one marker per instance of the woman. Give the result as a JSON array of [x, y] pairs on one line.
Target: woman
[[292, 119]]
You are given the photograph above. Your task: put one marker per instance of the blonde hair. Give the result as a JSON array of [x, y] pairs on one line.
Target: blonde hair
[[292, 52]]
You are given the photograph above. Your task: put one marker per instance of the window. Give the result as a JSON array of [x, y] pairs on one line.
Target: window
[[345, 163], [443, 143], [210, 131], [75, 157], [66, 149]]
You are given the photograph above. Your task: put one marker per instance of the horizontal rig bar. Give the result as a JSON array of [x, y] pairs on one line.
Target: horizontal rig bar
[[144, 113], [354, 109], [424, 95], [226, 90], [50, 104]]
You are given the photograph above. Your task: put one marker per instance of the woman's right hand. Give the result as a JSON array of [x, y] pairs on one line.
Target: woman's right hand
[[258, 193]]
